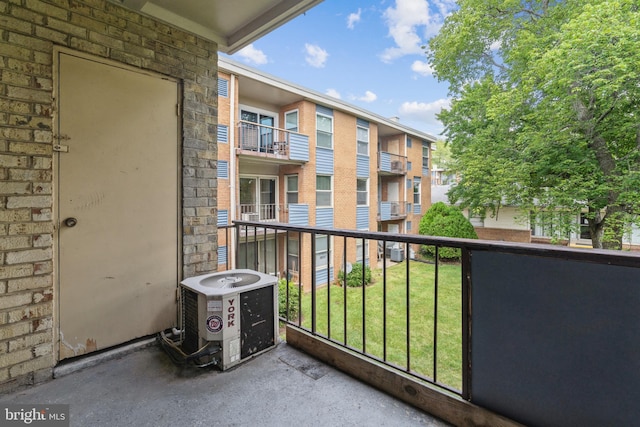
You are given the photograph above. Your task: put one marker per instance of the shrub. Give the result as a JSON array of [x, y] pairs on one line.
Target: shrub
[[294, 300], [354, 278], [445, 221]]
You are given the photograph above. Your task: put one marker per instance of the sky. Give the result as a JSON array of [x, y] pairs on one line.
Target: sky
[[366, 53]]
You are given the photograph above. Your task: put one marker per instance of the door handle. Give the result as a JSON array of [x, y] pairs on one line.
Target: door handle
[[70, 222]]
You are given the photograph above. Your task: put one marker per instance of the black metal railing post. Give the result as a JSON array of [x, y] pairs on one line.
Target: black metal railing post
[[466, 324]]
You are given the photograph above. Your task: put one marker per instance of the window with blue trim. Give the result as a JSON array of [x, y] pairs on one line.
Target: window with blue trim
[[362, 136], [417, 190], [324, 131]]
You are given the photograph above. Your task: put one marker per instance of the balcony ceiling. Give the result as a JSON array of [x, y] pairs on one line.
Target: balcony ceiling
[[231, 24]]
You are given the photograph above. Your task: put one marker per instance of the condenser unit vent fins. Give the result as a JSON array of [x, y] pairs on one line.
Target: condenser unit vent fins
[[257, 314], [190, 313]]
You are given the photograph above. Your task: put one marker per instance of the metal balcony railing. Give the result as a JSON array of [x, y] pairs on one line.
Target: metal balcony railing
[[392, 164], [260, 212], [388, 211], [543, 335]]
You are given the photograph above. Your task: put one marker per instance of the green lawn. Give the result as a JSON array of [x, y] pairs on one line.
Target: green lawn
[[421, 309]]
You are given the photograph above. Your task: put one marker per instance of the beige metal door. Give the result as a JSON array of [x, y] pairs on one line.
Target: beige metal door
[[117, 204]]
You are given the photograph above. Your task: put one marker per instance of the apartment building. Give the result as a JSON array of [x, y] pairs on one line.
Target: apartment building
[[292, 155]]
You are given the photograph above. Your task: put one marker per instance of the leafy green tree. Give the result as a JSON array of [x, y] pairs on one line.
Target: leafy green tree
[[446, 221], [545, 107]]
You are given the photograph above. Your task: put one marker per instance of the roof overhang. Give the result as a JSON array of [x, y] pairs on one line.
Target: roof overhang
[[231, 24]]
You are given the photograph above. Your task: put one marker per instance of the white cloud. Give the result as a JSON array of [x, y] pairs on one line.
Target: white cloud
[[252, 55], [368, 97], [353, 18], [316, 56], [411, 23], [333, 93], [422, 68], [424, 111]]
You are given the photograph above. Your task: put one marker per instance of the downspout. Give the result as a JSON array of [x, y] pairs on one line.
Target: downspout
[[232, 171]]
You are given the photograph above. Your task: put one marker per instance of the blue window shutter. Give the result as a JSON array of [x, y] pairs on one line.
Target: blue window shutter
[[223, 133], [223, 169], [362, 217], [223, 217], [299, 214], [223, 87], [362, 166], [324, 161], [299, 147], [324, 217], [222, 255]]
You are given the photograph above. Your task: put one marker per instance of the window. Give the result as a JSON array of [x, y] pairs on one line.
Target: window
[[408, 166], [362, 191], [425, 155], [408, 142], [323, 191], [258, 196], [291, 121], [258, 135], [322, 252], [362, 136], [324, 131], [416, 191], [409, 225], [293, 251], [359, 250], [292, 189]]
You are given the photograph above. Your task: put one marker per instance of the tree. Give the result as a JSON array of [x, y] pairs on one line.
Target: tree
[[545, 107], [446, 221], [441, 159]]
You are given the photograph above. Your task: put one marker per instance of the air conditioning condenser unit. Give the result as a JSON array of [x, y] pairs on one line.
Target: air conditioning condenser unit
[[228, 317]]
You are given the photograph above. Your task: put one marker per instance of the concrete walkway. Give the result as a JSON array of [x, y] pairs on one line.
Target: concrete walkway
[[282, 387]]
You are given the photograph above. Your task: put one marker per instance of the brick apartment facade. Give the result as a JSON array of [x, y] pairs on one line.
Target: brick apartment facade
[[350, 169]]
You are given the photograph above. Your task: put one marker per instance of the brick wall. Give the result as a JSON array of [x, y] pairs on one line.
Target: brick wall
[[29, 31], [503, 234]]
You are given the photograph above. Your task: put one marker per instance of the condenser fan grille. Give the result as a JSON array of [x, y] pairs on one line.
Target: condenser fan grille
[[231, 280]]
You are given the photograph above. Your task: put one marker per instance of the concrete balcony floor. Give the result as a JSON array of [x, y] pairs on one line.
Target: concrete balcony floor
[[282, 387]]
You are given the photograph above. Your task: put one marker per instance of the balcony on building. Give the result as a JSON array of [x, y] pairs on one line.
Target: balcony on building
[[391, 210], [258, 141], [392, 164]]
